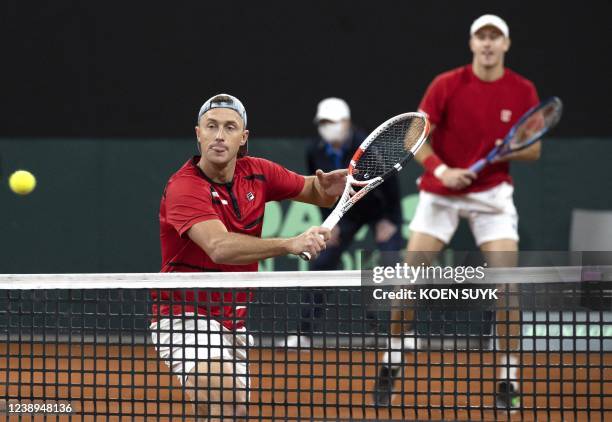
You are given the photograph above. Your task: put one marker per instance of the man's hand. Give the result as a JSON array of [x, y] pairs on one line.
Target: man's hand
[[384, 230], [457, 179], [332, 183], [311, 241], [323, 189]]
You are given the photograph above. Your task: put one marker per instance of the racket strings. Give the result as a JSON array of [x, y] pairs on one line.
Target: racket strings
[[537, 124], [390, 147]]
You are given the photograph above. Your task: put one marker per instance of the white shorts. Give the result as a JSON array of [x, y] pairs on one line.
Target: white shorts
[[182, 341], [491, 214]]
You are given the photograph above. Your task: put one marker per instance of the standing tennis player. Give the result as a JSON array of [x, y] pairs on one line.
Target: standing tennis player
[[470, 109], [211, 217]]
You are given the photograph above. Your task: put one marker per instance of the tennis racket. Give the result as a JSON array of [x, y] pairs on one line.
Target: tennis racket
[[529, 129], [382, 154]]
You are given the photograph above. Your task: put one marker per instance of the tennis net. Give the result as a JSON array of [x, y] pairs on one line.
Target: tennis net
[[304, 346]]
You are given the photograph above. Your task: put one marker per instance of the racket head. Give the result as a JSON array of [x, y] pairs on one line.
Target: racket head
[[387, 149], [534, 124]]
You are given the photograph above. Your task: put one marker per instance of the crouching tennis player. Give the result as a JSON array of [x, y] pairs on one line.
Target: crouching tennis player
[[211, 217]]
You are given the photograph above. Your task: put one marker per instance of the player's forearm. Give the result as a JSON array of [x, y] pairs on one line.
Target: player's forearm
[[424, 153], [238, 249], [430, 161]]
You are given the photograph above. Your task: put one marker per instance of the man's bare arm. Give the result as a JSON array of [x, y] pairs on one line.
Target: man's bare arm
[[424, 152], [228, 248], [323, 189]]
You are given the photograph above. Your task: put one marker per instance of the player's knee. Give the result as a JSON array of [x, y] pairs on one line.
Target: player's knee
[[234, 390], [214, 386], [198, 393], [236, 396], [238, 411]]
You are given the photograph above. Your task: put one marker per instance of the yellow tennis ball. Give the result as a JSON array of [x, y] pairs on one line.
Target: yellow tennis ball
[[22, 182]]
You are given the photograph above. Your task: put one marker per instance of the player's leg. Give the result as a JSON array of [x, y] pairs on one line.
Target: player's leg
[[507, 323], [432, 227], [497, 236], [191, 347], [217, 391], [402, 323], [422, 249], [219, 385], [434, 224], [390, 245]]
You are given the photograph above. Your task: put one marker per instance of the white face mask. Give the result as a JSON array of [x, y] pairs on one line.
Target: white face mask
[[333, 132]]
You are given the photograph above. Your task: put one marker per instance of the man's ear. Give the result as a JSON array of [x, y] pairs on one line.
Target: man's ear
[[197, 132], [245, 137]]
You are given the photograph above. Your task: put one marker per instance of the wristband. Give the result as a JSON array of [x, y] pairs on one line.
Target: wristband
[[432, 162], [439, 170]]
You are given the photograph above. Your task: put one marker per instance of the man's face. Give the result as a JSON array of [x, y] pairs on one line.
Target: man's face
[[335, 133], [220, 133], [489, 47]]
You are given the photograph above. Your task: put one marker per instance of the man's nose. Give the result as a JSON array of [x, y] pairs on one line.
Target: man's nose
[[219, 135]]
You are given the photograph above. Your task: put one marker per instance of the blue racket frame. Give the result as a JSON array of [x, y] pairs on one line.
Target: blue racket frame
[[504, 148]]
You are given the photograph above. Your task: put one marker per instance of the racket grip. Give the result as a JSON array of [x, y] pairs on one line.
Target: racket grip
[[305, 256], [478, 165]]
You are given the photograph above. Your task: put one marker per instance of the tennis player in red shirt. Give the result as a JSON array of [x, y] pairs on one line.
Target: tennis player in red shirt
[[470, 108], [211, 217]]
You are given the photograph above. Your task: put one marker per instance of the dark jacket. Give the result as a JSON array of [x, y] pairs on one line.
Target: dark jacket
[[381, 203]]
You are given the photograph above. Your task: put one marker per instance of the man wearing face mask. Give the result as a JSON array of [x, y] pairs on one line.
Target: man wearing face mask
[[380, 209]]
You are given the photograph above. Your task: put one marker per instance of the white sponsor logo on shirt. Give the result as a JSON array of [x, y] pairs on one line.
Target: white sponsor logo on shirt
[[505, 115], [250, 196]]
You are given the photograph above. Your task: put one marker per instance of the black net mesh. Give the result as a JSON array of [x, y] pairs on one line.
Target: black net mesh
[[534, 353]]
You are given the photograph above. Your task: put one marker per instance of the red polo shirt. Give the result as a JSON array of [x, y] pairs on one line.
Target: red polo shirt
[[191, 197], [470, 115]]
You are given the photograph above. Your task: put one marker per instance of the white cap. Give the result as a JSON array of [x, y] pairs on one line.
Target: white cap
[[231, 102], [224, 101], [334, 109], [490, 20]]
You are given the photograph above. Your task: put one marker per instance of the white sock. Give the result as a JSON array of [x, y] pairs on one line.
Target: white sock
[[396, 352], [509, 368], [410, 341]]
